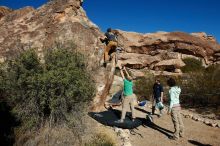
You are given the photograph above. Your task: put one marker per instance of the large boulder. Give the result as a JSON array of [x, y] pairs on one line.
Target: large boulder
[[138, 61], [170, 64], [196, 44], [165, 51], [57, 23]]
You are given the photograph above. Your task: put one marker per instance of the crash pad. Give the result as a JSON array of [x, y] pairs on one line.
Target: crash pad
[[111, 117]]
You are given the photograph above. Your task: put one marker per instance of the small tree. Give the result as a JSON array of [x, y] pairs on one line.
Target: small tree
[[52, 90]]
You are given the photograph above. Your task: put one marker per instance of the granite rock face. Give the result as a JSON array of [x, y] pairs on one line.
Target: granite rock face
[[165, 51], [58, 22]]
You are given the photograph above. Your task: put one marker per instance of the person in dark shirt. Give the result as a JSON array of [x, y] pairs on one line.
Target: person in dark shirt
[[111, 43], [157, 95]]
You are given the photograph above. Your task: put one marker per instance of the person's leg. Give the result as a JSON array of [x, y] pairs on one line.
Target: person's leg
[[125, 104], [112, 50], [106, 58], [160, 107], [132, 103], [110, 45], [174, 116], [161, 112], [153, 106], [181, 126]]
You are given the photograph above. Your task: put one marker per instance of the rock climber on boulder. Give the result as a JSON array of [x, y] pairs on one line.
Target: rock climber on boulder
[[111, 42]]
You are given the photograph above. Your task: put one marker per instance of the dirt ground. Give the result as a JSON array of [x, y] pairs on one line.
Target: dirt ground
[[196, 133]]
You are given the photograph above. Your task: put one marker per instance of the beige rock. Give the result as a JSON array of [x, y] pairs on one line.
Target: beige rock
[[4, 11], [137, 61], [207, 122], [195, 118], [177, 63], [136, 73], [200, 120], [178, 70], [190, 116], [165, 73], [187, 116], [214, 124], [182, 43]]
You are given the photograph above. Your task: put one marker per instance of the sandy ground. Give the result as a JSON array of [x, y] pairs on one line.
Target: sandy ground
[[196, 133]]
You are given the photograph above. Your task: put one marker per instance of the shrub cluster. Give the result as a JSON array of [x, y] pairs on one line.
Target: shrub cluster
[[202, 88], [144, 87], [53, 90], [192, 65]]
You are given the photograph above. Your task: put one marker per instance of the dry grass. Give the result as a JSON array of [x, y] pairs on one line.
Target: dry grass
[[103, 136]]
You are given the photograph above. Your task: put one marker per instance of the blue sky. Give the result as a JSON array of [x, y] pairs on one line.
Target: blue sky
[[147, 15]]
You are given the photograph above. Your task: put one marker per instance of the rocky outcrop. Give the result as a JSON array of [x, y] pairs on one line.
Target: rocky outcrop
[[57, 23], [170, 65], [16, 14], [204, 36], [4, 11], [166, 50], [54, 22]]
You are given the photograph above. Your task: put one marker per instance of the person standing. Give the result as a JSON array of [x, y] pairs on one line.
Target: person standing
[[157, 96], [128, 98], [175, 108]]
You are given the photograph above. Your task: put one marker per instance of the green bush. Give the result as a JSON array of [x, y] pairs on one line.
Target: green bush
[[192, 65], [202, 88], [100, 140], [52, 90], [144, 87]]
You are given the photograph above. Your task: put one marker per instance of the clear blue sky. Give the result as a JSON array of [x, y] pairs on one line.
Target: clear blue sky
[[147, 15]]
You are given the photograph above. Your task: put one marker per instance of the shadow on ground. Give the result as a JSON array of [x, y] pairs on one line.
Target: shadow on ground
[[198, 143], [162, 130], [142, 110], [111, 116]]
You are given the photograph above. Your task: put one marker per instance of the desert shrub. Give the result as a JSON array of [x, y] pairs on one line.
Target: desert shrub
[[202, 88], [2, 82], [143, 86], [192, 65], [52, 90], [100, 140]]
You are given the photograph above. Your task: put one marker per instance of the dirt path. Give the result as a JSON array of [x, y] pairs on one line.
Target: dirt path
[[196, 133]]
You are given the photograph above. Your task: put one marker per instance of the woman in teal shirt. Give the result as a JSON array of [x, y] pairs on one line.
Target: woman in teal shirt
[[128, 96]]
